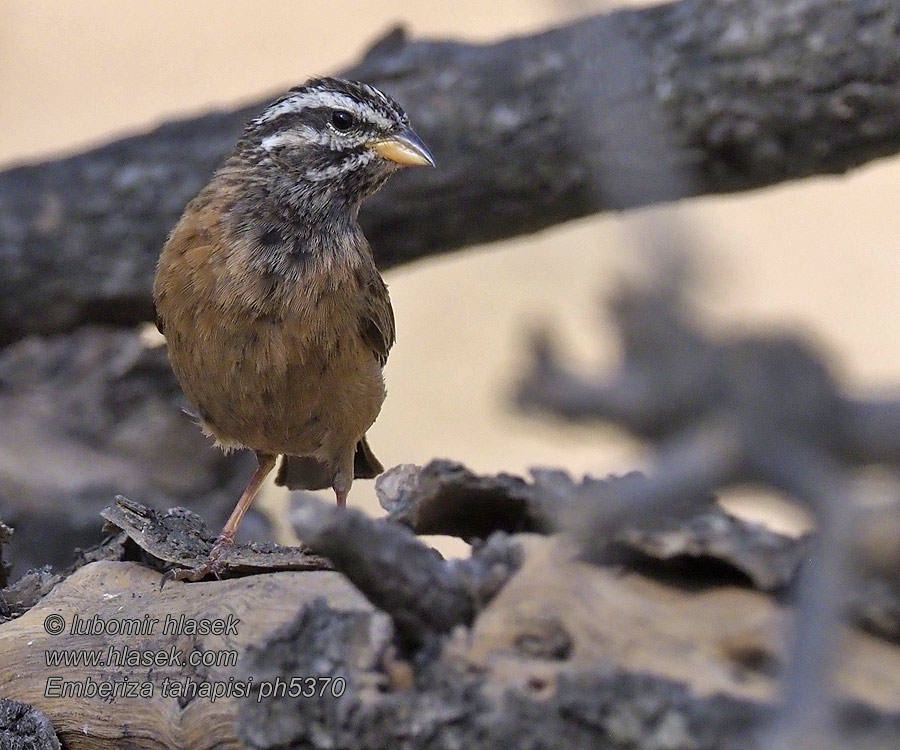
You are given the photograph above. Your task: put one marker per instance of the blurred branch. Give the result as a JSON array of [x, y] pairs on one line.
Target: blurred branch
[[749, 94], [726, 410], [425, 595], [768, 405]]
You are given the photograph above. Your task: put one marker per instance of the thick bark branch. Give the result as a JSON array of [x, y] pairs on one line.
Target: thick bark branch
[[425, 595], [528, 132]]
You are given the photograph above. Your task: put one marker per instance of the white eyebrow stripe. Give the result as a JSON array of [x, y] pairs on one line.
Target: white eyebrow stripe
[[310, 99], [300, 101], [276, 110]]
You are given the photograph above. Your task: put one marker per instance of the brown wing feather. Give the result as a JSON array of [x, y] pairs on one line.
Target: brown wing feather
[[160, 326], [376, 323]]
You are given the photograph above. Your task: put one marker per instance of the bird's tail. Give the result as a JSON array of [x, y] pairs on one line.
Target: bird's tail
[[304, 473], [365, 465], [308, 473]]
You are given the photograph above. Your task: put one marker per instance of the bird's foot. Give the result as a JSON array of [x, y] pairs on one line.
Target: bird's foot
[[212, 565]]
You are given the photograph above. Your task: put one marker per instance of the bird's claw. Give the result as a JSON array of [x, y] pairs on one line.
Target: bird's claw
[[213, 565]]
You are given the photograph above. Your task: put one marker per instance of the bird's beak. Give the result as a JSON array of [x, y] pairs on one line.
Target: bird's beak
[[404, 148]]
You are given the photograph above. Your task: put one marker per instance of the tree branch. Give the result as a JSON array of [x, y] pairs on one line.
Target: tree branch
[[425, 595], [749, 94]]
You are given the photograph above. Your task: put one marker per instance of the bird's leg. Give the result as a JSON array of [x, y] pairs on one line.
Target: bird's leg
[[343, 478], [226, 537], [342, 481]]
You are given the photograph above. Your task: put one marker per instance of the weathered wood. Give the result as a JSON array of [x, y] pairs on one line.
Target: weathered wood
[[533, 656], [660, 657], [725, 410], [528, 132], [113, 591], [444, 497], [567, 654]]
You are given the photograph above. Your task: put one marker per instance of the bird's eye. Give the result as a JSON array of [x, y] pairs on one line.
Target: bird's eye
[[341, 120]]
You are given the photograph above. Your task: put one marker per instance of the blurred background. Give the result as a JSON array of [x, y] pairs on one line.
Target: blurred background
[[819, 255]]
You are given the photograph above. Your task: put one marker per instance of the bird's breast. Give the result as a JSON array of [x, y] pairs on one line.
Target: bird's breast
[[272, 361]]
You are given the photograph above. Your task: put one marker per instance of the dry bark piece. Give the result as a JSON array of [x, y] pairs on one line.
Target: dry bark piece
[[180, 538], [30, 588], [21, 596], [344, 651], [23, 727], [444, 497], [769, 560]]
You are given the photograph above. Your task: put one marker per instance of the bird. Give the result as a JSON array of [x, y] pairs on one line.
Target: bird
[[277, 321]]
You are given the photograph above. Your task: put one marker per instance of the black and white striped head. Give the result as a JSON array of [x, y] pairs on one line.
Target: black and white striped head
[[335, 137]]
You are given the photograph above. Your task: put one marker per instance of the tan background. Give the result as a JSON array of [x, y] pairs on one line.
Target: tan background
[[823, 254]]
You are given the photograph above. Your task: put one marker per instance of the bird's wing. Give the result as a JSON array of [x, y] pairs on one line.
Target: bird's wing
[[376, 324], [158, 319]]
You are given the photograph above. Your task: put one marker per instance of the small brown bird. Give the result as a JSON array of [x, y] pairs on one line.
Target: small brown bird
[[277, 321]]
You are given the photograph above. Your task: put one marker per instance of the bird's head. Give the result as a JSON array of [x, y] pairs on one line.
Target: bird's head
[[332, 139]]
